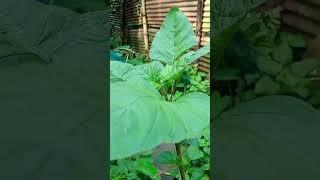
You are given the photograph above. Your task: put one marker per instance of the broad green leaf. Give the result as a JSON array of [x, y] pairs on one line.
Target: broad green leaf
[[146, 166], [251, 78], [302, 91], [141, 119], [121, 71], [228, 12], [45, 36], [206, 166], [174, 38], [295, 40], [194, 153], [153, 70], [197, 174], [269, 66], [221, 41], [191, 56], [282, 53], [227, 19], [266, 86], [170, 72], [52, 54], [273, 135], [167, 157], [288, 78], [304, 67]]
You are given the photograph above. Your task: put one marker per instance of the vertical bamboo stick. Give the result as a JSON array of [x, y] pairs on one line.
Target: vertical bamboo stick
[[199, 21], [121, 22], [145, 27]]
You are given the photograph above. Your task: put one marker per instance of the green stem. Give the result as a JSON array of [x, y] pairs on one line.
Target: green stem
[[177, 145], [172, 90], [181, 165], [164, 93]]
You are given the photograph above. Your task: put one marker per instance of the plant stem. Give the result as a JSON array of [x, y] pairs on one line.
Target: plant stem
[[177, 145], [164, 93], [181, 166], [172, 90]]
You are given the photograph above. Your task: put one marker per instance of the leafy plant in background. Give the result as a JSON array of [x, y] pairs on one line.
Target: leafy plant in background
[[144, 113], [114, 42], [254, 60], [126, 54], [261, 60]]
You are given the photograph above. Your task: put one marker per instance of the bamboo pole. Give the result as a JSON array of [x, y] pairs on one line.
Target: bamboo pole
[[121, 22], [145, 28], [199, 21]]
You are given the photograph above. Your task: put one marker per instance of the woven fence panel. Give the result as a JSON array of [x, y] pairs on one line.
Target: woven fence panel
[[206, 17], [135, 40], [303, 16], [204, 62], [132, 15], [156, 10], [115, 16]]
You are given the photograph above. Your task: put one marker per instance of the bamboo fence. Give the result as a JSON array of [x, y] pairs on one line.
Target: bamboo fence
[[141, 20]]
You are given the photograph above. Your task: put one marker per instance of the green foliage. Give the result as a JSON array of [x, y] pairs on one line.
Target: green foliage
[[126, 54], [162, 101], [115, 56], [267, 55], [229, 12], [256, 62], [175, 37], [153, 86], [273, 135], [195, 157], [138, 167], [135, 129], [114, 42], [24, 37], [49, 59], [194, 80]]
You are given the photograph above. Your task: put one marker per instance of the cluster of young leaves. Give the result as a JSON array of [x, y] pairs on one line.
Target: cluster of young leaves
[[192, 80]]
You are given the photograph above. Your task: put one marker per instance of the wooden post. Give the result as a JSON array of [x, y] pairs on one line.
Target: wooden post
[[121, 23], [199, 21], [145, 28]]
